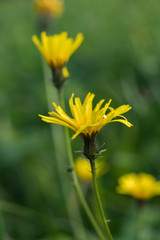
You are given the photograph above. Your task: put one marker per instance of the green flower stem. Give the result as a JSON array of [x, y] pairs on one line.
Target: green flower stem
[[138, 218], [75, 179], [57, 136], [92, 162]]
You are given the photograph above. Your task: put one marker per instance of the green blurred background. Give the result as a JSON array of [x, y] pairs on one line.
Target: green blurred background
[[119, 59]]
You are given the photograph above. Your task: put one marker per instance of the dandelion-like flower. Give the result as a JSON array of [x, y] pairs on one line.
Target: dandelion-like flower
[[83, 169], [87, 121], [57, 50], [140, 186], [51, 7]]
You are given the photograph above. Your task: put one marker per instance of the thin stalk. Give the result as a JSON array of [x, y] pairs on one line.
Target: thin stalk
[[138, 218], [61, 165], [75, 179], [92, 162]]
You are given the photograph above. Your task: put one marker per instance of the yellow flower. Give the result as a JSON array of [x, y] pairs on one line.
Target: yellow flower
[[86, 121], [52, 7], [83, 169], [57, 49], [140, 186]]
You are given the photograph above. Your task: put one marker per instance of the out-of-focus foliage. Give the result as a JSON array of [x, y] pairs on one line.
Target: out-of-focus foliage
[[119, 59]]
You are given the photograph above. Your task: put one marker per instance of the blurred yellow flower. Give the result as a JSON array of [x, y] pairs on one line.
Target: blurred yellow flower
[[57, 49], [83, 169], [86, 121], [51, 7], [140, 186]]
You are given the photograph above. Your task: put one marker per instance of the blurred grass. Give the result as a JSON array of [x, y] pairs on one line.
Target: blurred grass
[[119, 59]]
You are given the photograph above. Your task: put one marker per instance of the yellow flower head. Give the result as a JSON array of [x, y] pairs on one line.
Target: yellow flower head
[[83, 169], [140, 186], [51, 7], [86, 120], [57, 49]]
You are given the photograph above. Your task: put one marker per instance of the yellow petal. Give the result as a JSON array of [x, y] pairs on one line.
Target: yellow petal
[[63, 115], [65, 72], [96, 109], [37, 43], [77, 42], [122, 109], [128, 124], [67, 120], [56, 121], [79, 131]]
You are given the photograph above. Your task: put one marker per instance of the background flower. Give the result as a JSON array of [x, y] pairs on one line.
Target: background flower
[[57, 49], [83, 168], [140, 186], [51, 7]]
